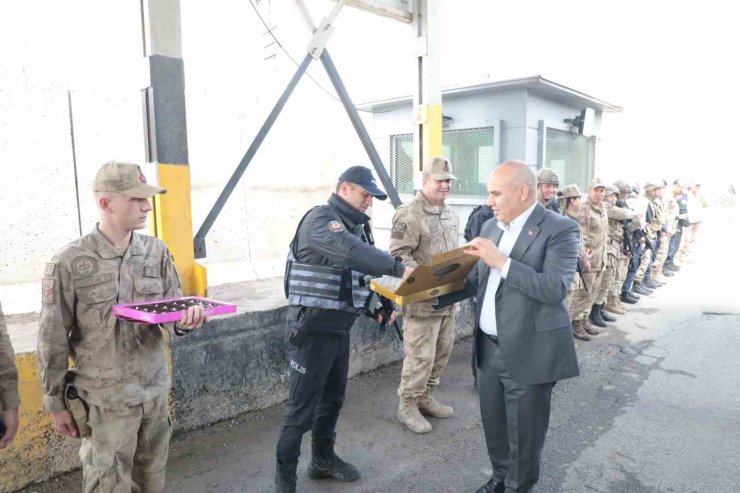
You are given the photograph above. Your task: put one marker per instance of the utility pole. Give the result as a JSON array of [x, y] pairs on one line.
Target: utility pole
[[427, 92]]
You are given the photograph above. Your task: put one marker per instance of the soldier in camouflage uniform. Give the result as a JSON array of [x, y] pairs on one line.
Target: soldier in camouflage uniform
[[421, 229], [595, 226], [569, 203], [654, 217], [547, 189], [670, 226], [9, 400], [616, 250], [120, 367]]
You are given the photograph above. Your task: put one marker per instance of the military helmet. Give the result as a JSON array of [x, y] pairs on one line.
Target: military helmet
[[652, 185], [547, 175], [568, 191], [596, 183], [623, 186]]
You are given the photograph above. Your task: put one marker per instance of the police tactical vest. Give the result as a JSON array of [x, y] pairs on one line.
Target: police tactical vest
[[320, 286]]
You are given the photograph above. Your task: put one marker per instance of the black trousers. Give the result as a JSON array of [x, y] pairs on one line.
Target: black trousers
[[318, 379], [515, 419]]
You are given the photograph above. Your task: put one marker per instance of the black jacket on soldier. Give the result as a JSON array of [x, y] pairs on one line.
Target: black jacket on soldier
[[477, 217], [336, 239]]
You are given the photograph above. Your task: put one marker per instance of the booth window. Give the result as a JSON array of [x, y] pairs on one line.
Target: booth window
[[571, 155], [471, 151]]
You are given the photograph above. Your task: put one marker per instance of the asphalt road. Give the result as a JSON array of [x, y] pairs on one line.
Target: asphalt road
[[656, 409]]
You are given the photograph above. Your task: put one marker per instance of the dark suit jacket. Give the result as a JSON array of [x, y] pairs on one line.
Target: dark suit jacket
[[532, 319]]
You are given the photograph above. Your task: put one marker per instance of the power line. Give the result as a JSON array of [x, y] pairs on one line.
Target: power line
[[326, 91]]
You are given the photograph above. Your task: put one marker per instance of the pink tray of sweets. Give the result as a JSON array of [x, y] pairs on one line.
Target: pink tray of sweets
[[170, 310]]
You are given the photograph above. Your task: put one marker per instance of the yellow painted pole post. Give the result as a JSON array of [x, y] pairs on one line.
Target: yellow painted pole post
[[428, 93], [166, 138]]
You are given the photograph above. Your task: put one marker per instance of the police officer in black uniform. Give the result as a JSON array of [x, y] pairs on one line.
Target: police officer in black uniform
[[325, 280]]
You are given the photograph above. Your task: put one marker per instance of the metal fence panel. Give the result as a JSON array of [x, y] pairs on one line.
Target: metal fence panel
[[572, 156], [471, 151]]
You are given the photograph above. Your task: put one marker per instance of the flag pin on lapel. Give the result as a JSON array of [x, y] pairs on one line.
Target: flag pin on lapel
[[531, 233]]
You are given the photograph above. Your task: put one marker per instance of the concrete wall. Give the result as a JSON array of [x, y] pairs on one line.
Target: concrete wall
[[233, 365], [238, 364]]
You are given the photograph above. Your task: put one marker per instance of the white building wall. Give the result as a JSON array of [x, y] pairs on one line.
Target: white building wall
[[233, 77]]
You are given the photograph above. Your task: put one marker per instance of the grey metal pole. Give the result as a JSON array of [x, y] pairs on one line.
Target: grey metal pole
[[199, 241], [354, 116]]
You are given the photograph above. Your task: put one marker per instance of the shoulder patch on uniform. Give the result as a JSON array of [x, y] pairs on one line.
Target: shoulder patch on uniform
[[47, 291], [84, 266], [50, 268], [151, 271], [399, 229], [336, 226]]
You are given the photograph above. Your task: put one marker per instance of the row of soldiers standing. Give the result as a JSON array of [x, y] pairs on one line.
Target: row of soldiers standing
[[624, 253]]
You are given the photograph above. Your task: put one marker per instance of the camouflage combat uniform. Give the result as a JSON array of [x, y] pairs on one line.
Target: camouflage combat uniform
[[617, 259], [420, 231], [120, 368], [577, 284], [8, 372], [670, 225], [594, 224], [654, 228]]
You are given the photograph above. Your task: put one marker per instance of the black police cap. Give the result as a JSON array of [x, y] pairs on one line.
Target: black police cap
[[360, 175]]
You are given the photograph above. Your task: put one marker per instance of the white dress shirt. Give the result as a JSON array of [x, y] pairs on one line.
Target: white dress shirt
[[511, 233]]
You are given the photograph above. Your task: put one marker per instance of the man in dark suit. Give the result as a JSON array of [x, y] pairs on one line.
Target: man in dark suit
[[523, 334]]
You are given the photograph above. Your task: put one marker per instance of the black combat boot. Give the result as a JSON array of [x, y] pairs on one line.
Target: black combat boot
[[595, 316], [605, 315], [640, 289], [285, 477], [671, 267], [626, 298], [326, 464], [651, 284]]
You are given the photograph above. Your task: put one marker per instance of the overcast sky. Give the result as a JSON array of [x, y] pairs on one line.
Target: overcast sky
[[671, 65]]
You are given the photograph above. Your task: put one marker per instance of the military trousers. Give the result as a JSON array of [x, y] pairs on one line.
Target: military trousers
[[427, 345], [584, 298], [646, 263], [127, 451], [661, 254], [687, 242], [317, 381], [621, 266], [607, 279]]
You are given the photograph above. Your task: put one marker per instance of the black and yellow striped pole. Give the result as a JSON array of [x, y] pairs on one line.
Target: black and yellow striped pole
[[166, 137], [428, 91]]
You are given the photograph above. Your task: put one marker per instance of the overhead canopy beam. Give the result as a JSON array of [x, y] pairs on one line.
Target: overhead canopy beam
[[396, 9]]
